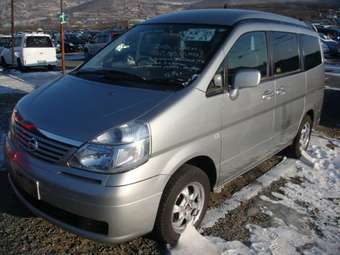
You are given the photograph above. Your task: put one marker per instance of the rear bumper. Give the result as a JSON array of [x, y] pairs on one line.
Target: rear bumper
[[37, 64], [89, 209]]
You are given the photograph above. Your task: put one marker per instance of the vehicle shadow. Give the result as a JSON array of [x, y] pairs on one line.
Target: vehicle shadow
[[9, 202], [330, 115]]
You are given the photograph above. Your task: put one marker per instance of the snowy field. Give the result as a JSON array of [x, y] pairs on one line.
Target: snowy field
[[13, 81]]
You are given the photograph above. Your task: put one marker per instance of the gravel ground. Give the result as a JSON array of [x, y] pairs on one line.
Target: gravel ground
[[248, 213], [23, 233]]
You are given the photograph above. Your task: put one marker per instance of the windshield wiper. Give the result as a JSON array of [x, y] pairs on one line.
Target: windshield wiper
[[176, 82], [111, 74], [172, 82]]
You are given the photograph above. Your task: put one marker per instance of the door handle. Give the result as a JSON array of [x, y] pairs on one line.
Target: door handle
[[268, 94], [281, 91]]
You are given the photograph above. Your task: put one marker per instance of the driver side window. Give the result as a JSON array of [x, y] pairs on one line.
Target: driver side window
[[249, 52]]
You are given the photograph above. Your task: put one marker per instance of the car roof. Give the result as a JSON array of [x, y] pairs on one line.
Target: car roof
[[32, 34], [225, 17]]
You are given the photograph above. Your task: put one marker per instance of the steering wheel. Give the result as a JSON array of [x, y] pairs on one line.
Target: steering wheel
[[143, 61]]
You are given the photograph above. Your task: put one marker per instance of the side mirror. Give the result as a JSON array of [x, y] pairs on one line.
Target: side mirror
[[245, 79]]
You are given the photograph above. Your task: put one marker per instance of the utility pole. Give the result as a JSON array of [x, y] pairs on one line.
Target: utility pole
[[62, 41], [140, 9], [12, 30]]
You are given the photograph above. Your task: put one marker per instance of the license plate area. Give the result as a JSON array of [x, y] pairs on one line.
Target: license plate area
[[28, 185]]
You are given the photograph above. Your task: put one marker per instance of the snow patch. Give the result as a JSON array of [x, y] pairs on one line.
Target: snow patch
[[304, 217], [332, 88], [281, 240], [284, 169], [13, 81], [310, 222], [231, 248], [192, 242]]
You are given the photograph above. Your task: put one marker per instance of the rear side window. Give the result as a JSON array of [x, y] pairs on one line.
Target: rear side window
[[38, 42], [249, 52], [4, 41], [311, 51], [285, 48]]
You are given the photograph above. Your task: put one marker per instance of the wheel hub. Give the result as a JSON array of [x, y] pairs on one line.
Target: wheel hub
[[305, 135], [188, 206]]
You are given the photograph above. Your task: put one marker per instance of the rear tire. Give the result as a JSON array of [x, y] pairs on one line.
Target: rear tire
[[86, 54], [4, 63], [51, 67], [302, 139], [184, 201], [20, 66]]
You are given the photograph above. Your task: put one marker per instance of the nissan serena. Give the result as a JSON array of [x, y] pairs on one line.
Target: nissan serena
[[133, 141]]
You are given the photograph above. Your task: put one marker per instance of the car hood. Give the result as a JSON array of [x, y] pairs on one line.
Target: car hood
[[80, 109]]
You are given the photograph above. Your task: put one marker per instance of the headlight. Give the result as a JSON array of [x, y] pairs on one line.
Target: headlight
[[116, 150]]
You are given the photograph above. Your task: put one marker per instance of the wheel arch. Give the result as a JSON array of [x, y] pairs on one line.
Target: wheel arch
[[203, 162], [310, 113]]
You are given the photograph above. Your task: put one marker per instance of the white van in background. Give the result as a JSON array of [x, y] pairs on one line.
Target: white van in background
[[31, 50], [4, 42]]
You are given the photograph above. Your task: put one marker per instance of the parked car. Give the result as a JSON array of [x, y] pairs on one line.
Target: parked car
[[72, 42], [88, 35], [100, 41], [331, 47], [325, 49], [171, 110], [31, 50], [331, 32], [4, 42]]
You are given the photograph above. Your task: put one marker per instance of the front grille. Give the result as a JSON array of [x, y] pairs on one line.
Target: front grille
[[40, 146], [84, 223]]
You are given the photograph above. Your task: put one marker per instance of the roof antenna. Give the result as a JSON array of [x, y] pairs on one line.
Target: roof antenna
[[225, 6]]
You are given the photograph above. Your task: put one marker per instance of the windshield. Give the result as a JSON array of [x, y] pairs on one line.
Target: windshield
[[164, 53], [38, 42]]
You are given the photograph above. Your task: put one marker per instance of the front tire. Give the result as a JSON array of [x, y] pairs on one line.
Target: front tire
[[184, 202], [302, 139]]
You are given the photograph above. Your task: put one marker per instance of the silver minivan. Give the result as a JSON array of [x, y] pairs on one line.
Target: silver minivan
[[134, 140]]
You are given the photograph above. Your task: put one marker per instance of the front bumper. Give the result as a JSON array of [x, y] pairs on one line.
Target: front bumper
[[81, 205]]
